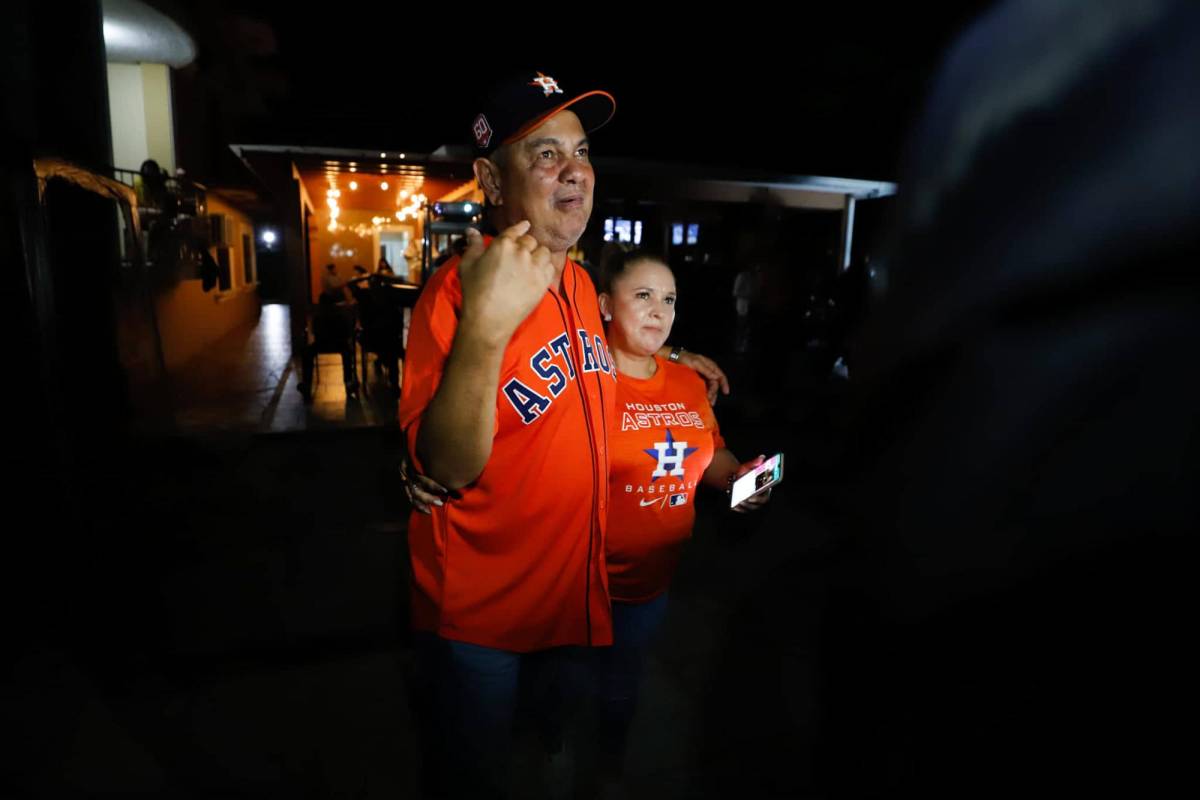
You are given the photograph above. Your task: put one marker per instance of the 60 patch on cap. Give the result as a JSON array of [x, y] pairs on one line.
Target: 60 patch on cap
[[483, 132]]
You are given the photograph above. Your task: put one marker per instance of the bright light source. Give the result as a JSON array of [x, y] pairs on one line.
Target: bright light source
[[467, 208], [384, 186], [268, 237], [354, 186], [117, 35]]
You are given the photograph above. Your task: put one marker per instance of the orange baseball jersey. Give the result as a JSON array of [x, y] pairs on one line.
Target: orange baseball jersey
[[663, 438], [517, 562]]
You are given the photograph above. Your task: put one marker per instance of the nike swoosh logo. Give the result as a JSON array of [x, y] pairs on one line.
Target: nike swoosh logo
[[652, 502]]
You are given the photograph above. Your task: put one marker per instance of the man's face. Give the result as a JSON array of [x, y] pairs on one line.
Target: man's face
[[547, 179]]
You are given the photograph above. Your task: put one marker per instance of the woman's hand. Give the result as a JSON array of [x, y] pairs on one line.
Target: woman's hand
[[755, 501], [422, 492]]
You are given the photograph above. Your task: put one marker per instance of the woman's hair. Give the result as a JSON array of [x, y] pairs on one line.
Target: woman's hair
[[616, 258]]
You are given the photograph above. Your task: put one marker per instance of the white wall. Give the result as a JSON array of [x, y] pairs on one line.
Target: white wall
[[160, 116], [127, 110], [139, 105]]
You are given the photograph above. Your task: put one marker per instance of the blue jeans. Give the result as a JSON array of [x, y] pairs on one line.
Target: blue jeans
[[465, 699], [618, 673]]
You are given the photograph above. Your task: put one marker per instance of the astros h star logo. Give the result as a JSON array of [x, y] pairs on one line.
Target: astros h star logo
[[669, 457]]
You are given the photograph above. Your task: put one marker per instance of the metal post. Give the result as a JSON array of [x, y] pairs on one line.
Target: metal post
[[847, 233]]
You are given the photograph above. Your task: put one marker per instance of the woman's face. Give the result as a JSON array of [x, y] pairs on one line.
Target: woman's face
[[642, 306]]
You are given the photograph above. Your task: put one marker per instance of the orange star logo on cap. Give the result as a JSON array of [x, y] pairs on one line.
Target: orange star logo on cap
[[548, 85]]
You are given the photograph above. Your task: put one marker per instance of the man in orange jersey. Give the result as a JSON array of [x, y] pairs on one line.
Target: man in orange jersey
[[507, 391], [507, 396]]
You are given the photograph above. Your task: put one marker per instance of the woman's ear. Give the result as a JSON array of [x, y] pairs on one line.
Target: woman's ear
[[605, 306]]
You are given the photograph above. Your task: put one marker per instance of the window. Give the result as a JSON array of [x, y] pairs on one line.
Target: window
[[617, 229], [247, 260], [677, 233], [224, 275], [693, 233], [624, 230]]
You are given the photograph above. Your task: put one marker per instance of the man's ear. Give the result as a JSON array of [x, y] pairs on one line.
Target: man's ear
[[487, 175]]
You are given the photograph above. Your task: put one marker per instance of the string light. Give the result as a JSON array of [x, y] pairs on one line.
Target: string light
[[410, 201], [415, 203], [331, 199]]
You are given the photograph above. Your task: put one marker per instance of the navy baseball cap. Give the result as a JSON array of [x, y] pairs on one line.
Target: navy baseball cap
[[524, 100]]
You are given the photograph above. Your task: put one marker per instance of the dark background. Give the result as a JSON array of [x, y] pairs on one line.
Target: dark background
[[825, 91]]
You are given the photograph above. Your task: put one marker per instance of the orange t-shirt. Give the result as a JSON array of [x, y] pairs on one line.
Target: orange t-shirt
[[662, 439], [518, 562]]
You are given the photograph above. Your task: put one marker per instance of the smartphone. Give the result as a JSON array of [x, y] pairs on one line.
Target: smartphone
[[759, 479]]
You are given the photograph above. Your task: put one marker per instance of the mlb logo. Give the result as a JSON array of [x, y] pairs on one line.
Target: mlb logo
[[678, 500]]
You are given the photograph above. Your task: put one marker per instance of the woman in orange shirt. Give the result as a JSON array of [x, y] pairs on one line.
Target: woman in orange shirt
[[664, 444]]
